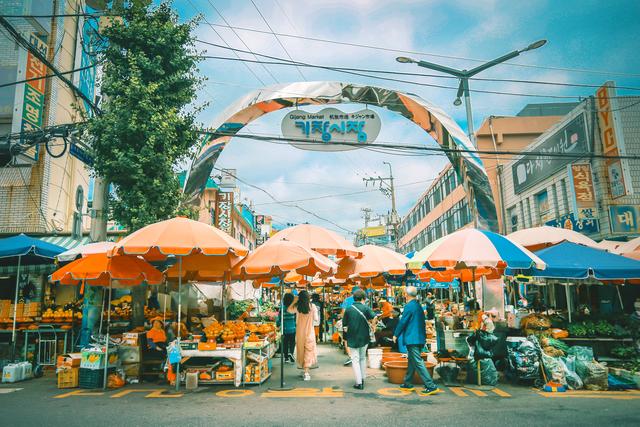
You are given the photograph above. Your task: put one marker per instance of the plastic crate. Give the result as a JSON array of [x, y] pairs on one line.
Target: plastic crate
[[68, 378], [93, 378]]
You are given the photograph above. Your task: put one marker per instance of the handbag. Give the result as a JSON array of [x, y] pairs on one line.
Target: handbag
[[372, 335]]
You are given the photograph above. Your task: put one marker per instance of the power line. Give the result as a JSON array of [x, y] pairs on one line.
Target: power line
[[241, 40], [228, 46], [47, 76], [440, 149], [277, 39], [346, 70], [284, 203], [61, 15], [413, 52]]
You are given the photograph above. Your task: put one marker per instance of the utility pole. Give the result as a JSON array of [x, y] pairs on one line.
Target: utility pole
[[98, 231], [388, 189]]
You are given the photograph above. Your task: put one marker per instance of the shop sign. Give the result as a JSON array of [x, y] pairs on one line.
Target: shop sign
[[613, 141], [624, 219], [584, 199], [569, 221], [86, 40], [571, 139], [378, 230], [81, 154], [224, 212], [326, 129], [31, 110]]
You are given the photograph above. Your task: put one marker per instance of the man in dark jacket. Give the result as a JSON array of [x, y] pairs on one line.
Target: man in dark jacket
[[357, 332], [413, 330]]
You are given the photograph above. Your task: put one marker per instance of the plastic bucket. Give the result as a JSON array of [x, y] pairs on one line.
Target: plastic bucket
[[375, 358]]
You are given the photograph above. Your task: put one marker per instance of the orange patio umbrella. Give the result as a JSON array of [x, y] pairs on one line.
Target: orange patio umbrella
[[279, 258], [319, 239], [375, 261], [101, 270], [182, 238]]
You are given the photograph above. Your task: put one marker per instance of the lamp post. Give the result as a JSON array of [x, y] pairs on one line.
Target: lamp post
[[465, 75]]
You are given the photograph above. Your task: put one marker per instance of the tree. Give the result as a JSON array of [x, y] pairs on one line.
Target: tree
[[149, 78]]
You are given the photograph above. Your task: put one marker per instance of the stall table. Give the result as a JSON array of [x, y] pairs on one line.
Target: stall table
[[233, 354]]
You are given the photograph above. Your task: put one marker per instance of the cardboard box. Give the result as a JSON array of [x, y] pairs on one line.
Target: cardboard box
[[69, 360], [131, 370], [129, 354], [131, 338], [68, 378], [96, 359], [205, 346], [225, 376]]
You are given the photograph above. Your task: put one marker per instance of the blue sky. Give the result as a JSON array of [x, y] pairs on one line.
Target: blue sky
[[583, 35]]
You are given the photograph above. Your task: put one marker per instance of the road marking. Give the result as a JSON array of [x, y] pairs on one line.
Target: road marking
[[234, 393], [477, 392], [135, 390], [305, 392], [500, 392], [160, 394], [394, 391], [587, 394], [78, 393], [458, 391], [9, 390]]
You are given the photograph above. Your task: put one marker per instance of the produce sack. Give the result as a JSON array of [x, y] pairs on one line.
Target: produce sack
[[488, 372], [573, 379], [487, 340], [115, 381], [554, 369], [594, 375], [581, 353]]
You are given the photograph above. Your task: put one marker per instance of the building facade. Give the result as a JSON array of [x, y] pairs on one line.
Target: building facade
[[594, 195], [443, 207], [43, 192]]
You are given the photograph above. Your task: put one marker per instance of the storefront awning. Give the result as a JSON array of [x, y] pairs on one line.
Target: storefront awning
[[38, 269], [67, 242]]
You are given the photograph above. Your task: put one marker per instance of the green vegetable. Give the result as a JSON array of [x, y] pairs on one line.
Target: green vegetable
[[577, 330], [604, 328], [621, 332], [624, 352], [558, 344]]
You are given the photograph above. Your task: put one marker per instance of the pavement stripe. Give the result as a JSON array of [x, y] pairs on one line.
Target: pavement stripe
[[477, 392], [500, 392], [78, 393], [8, 390], [458, 391], [306, 392], [629, 396]]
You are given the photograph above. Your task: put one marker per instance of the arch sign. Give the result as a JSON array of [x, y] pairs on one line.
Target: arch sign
[[429, 117]]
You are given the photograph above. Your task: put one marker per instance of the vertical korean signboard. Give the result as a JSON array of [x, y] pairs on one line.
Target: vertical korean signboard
[[32, 109], [224, 212], [584, 199], [613, 141]]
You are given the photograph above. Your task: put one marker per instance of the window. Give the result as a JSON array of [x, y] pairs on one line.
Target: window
[[512, 219], [554, 197], [565, 196], [543, 208]]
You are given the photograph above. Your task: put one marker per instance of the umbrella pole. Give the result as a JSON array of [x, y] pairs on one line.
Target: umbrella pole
[[282, 387], [568, 295], [164, 304], [102, 307], [620, 298], [179, 318], [106, 348], [15, 310]]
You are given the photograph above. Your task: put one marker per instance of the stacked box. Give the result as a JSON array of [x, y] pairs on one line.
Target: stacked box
[[31, 309], [255, 372], [18, 311], [68, 378], [5, 308]]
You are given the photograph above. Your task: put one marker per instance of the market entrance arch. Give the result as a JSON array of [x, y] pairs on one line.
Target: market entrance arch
[[431, 118]]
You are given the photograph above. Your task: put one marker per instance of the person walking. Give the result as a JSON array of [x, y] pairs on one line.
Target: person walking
[[357, 326], [348, 302], [288, 330], [306, 313], [318, 326], [413, 331]]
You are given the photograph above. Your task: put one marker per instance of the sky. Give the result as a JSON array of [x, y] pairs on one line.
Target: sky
[[589, 42]]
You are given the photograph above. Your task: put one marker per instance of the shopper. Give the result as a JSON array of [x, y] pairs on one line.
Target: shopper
[[306, 313], [430, 306], [289, 329], [319, 326], [357, 327], [413, 331], [348, 302]]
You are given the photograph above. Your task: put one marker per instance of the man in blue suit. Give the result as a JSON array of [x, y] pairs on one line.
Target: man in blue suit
[[413, 331]]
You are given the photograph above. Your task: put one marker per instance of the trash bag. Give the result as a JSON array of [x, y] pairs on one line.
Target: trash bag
[[594, 375], [554, 369], [448, 373], [115, 381], [487, 340], [573, 379], [581, 353], [618, 383], [488, 372], [522, 362]]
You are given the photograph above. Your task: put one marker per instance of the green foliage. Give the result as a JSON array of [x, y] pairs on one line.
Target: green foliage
[[144, 131]]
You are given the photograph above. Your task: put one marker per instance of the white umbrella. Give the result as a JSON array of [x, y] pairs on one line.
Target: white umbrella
[[84, 250]]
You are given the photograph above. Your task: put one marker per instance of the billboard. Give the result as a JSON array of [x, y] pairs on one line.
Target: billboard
[[326, 129], [624, 219], [85, 55], [224, 212], [532, 169], [569, 221], [613, 141]]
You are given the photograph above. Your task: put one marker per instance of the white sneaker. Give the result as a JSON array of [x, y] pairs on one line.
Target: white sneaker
[[306, 377]]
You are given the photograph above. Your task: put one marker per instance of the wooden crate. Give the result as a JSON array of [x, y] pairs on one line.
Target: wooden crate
[[68, 378]]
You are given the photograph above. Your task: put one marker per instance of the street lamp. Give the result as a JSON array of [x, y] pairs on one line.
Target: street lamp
[[464, 76]]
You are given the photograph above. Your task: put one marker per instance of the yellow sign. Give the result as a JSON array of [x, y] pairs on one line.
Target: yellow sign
[[378, 230]]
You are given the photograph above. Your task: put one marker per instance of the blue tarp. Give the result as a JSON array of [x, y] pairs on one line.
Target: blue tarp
[[22, 245], [573, 261]]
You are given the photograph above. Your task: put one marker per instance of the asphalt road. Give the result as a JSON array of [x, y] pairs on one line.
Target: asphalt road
[[328, 399]]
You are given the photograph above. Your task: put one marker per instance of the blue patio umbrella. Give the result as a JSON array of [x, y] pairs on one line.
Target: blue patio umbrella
[[30, 250], [573, 261]]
